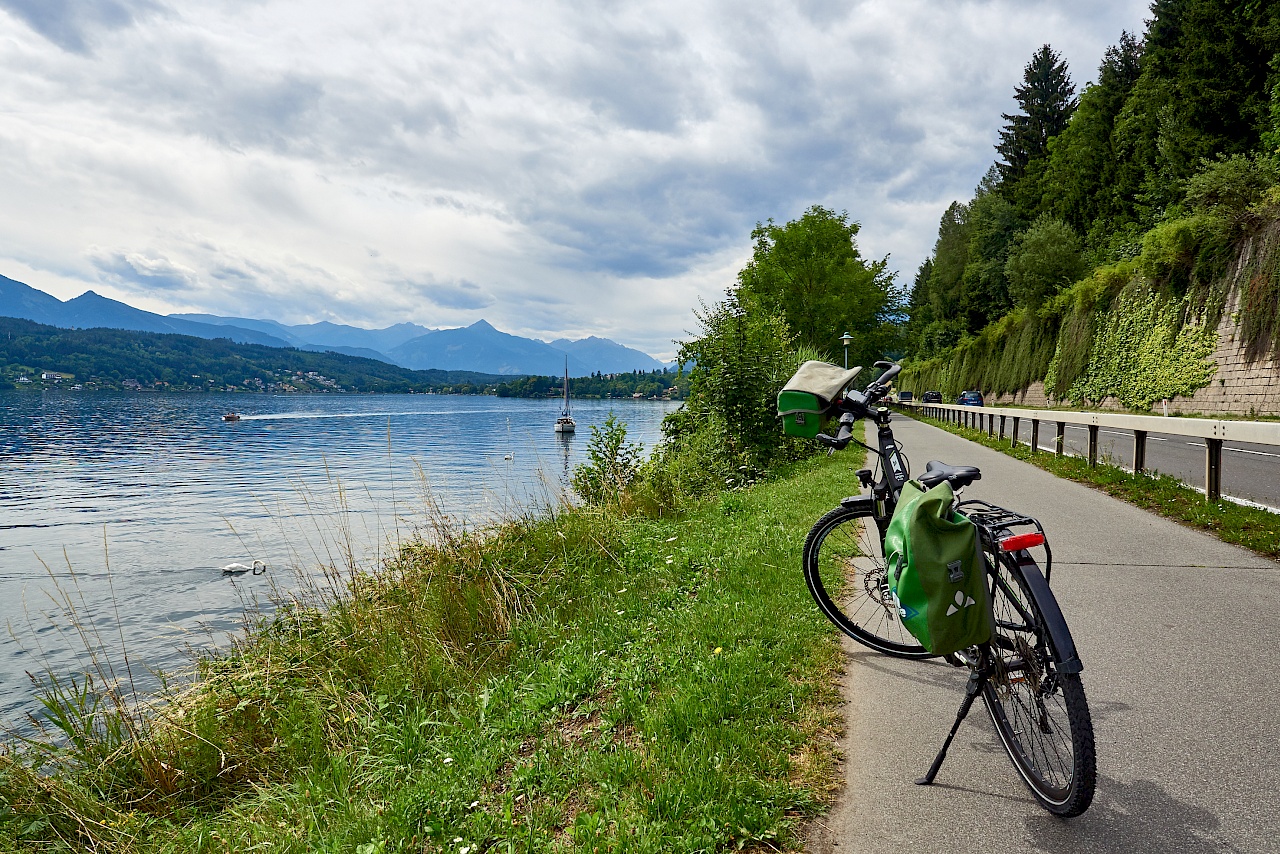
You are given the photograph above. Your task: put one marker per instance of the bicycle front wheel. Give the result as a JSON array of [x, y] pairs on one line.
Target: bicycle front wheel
[[1041, 714], [844, 568]]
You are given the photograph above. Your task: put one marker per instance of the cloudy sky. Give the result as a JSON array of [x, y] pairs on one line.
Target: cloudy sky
[[559, 168]]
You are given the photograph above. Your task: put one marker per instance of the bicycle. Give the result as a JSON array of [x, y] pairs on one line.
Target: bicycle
[[1028, 674]]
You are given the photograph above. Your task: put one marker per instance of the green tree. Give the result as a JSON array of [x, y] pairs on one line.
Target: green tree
[[919, 310], [941, 291], [1042, 261], [992, 225], [1083, 185], [1205, 90], [741, 360], [810, 274], [1047, 100]]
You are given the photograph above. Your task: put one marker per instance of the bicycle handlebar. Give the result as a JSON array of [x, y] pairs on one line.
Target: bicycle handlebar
[[859, 404]]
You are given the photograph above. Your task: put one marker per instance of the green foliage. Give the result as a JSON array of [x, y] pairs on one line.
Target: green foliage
[[612, 463], [728, 427], [1259, 314], [1042, 261], [1205, 89], [1082, 182], [1167, 159], [1142, 352], [993, 225], [585, 680], [599, 385], [810, 274], [804, 286], [1046, 97], [1079, 307], [1231, 187]]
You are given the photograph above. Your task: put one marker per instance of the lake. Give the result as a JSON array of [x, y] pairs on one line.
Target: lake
[[127, 506]]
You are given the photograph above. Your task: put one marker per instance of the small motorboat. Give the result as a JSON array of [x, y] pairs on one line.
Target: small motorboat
[[231, 416], [258, 568]]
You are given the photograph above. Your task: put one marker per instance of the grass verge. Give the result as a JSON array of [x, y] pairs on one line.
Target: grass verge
[[1250, 527], [583, 681]]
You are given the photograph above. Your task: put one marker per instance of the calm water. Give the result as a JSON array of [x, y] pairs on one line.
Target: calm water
[[131, 504]]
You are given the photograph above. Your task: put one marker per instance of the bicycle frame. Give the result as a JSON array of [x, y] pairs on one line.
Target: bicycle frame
[[1030, 638], [894, 471]]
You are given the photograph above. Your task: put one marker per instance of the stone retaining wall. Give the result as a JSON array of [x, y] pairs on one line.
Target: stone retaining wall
[[1239, 387]]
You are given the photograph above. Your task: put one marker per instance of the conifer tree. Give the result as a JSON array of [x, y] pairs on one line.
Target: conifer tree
[[1047, 98]]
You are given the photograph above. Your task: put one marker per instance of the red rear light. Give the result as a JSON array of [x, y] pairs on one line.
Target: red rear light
[[1018, 542]]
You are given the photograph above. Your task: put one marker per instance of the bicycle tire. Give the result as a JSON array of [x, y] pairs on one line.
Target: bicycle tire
[[1040, 714], [844, 569]]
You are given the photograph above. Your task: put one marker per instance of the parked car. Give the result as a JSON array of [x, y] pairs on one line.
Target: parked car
[[905, 396], [932, 397], [970, 398]]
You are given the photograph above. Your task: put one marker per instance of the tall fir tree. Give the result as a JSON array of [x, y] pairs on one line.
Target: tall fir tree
[[1047, 98], [1083, 184]]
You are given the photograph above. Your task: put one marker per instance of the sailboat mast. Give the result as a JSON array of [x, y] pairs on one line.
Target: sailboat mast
[[566, 385]]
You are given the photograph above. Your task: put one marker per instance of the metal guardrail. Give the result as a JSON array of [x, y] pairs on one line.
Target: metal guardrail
[[1213, 432]]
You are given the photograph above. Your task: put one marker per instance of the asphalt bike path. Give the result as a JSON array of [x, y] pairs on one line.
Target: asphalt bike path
[[1178, 634]]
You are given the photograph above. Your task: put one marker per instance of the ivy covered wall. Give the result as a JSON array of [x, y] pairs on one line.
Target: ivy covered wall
[[1193, 317]]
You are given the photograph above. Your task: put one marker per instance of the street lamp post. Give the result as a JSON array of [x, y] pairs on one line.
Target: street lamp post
[[846, 339]]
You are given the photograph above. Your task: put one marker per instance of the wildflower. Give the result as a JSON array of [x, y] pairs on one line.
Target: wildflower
[[717, 650], [448, 760]]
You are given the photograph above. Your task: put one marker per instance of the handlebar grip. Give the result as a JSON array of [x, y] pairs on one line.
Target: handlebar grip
[[889, 374], [839, 440]]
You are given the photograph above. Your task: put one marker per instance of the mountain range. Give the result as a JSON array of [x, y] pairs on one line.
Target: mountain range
[[479, 347]]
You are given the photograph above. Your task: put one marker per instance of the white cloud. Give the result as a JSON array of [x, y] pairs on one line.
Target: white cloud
[[564, 168]]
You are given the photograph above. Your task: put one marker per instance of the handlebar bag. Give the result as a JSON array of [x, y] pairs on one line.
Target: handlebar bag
[[936, 571], [807, 396]]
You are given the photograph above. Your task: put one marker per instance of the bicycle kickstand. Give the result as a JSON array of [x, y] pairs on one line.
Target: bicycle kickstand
[[971, 691]]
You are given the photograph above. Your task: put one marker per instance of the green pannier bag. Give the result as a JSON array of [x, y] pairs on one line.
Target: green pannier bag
[[807, 396], [936, 571]]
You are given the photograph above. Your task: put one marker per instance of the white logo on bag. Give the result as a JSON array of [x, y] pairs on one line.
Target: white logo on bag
[[962, 601]]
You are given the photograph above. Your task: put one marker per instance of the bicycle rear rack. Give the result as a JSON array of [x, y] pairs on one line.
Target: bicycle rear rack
[[994, 523]]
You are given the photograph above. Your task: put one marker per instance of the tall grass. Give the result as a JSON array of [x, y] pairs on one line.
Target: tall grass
[[649, 676]]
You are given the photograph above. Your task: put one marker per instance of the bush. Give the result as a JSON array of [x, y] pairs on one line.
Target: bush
[[612, 465], [1042, 261], [1231, 186]]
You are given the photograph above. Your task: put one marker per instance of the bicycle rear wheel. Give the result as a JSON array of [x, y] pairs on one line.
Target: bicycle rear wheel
[[844, 568], [1041, 714]]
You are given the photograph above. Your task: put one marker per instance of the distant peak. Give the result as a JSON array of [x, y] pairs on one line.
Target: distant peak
[[482, 324]]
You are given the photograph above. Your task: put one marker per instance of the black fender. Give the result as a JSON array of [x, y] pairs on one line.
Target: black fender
[[858, 502], [1063, 646]]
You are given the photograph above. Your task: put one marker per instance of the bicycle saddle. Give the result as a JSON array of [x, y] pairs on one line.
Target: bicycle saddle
[[958, 476]]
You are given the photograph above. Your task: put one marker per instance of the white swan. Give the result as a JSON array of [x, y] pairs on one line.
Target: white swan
[[258, 568]]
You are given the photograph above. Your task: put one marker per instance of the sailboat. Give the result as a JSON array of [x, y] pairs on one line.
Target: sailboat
[[565, 423]]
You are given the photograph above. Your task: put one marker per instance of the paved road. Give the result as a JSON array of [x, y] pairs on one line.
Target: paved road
[[1249, 471], [1177, 632]]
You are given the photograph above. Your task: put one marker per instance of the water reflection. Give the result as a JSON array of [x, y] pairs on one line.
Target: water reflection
[[131, 504]]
